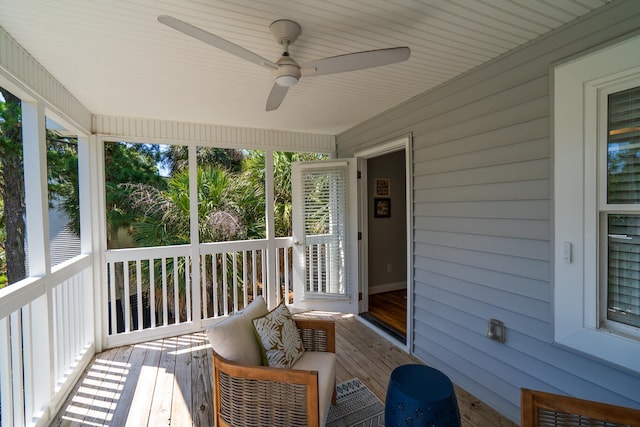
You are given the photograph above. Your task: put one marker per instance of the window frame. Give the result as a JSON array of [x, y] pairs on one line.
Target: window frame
[[605, 208], [576, 85]]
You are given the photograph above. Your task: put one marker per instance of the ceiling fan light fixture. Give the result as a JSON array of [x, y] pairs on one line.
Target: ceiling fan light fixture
[[287, 81]]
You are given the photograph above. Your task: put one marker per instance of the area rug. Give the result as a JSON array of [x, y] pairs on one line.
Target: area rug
[[356, 406]]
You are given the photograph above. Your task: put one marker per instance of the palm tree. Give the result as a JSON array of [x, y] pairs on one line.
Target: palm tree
[[254, 166]]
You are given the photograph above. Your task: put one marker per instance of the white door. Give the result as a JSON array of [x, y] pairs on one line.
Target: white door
[[325, 235]]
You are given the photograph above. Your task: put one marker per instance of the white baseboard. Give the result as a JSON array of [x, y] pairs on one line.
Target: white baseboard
[[387, 287]]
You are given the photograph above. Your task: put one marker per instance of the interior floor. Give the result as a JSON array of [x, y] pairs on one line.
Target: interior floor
[[388, 310]]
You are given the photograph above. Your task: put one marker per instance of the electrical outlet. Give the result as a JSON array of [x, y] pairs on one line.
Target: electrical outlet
[[389, 268], [496, 330]]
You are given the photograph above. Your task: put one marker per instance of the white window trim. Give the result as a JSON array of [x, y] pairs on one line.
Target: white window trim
[[575, 86]]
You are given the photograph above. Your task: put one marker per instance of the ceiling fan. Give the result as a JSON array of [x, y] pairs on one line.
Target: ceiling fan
[[286, 71]]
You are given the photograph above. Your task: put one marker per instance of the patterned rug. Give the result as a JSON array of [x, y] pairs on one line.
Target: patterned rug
[[356, 406]]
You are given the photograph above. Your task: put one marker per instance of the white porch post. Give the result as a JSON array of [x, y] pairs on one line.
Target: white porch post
[[89, 175], [38, 345], [271, 285], [195, 237], [98, 202]]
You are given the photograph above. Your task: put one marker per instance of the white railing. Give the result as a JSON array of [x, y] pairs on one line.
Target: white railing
[[231, 275], [47, 332], [148, 288], [46, 340]]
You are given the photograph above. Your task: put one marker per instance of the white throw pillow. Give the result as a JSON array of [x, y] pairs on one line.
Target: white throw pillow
[[234, 338], [279, 337]]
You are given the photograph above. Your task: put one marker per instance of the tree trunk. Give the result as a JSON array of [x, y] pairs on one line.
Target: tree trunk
[[14, 212], [13, 196]]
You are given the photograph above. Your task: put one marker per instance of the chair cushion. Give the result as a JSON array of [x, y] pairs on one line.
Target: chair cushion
[[325, 364], [279, 338], [234, 338]]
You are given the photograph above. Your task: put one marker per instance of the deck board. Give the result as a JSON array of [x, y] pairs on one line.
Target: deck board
[[168, 382], [140, 409]]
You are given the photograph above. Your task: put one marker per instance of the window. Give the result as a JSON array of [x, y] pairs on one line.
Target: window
[[620, 211], [596, 147]]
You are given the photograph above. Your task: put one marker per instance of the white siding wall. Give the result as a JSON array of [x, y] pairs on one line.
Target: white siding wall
[[482, 221]]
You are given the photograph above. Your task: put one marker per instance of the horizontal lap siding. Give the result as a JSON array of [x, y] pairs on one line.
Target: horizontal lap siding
[[482, 222]]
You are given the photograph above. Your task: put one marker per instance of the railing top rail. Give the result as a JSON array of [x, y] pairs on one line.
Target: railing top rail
[[242, 245], [70, 268], [152, 252], [284, 242], [17, 295], [233, 245]]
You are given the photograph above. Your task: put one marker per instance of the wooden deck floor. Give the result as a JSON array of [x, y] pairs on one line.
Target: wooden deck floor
[[168, 382]]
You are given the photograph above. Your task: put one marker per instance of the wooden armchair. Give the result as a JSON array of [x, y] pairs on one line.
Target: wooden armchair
[[250, 395], [541, 409]]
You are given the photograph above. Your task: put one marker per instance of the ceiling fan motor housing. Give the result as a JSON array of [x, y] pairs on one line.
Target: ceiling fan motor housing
[[288, 72]]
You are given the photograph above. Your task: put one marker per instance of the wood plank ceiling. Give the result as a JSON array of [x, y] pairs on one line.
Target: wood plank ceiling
[[118, 60]]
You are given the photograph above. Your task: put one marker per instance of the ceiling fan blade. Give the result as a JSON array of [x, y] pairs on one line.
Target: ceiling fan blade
[[216, 41], [356, 61], [276, 96]]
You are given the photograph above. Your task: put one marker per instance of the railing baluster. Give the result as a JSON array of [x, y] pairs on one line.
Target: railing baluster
[[245, 290], [112, 292], [265, 288], [60, 331], [126, 298], [203, 286], [77, 318], [187, 287], [139, 290], [278, 289], [17, 370], [254, 273], [214, 283], [285, 265], [152, 291], [68, 338], [165, 309], [64, 323], [6, 367], [224, 283], [176, 292], [28, 358], [234, 280]]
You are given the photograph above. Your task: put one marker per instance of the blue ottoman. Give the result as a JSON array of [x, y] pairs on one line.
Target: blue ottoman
[[420, 396]]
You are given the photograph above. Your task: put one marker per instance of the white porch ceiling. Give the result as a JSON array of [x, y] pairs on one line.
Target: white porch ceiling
[[118, 60]]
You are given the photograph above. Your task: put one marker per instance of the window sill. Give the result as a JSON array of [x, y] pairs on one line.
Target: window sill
[[613, 349]]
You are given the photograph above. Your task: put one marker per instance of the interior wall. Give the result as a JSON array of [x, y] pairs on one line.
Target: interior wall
[[482, 224], [387, 246]]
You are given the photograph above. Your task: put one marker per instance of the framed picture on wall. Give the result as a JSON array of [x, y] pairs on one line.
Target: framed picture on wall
[[383, 187], [382, 207]]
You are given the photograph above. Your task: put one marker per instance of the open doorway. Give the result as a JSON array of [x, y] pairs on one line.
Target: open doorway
[[385, 285]]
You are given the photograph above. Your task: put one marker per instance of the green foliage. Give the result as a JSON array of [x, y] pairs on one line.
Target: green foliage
[[126, 164], [254, 167], [176, 158], [62, 174]]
